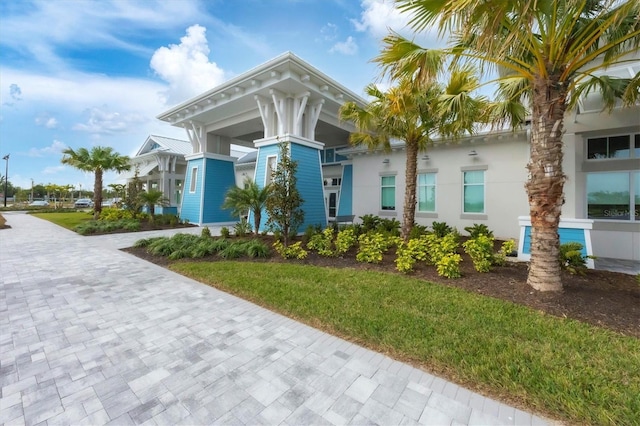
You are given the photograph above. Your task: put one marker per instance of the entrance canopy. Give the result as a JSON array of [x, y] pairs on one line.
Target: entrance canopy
[[286, 93]]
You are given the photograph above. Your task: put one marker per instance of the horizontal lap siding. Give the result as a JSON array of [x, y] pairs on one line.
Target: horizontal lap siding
[[310, 185], [191, 202], [567, 235], [219, 178], [260, 177], [346, 192]]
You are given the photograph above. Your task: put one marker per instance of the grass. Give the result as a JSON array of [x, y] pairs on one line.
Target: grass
[[564, 368], [67, 220]]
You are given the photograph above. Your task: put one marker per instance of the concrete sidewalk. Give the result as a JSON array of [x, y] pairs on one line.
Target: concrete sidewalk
[[93, 335]]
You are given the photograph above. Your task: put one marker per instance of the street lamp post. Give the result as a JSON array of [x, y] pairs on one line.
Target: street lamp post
[[32, 190], [6, 177]]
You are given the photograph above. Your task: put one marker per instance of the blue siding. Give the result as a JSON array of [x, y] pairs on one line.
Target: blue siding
[[310, 185], [219, 177], [260, 177], [190, 209], [567, 235], [346, 192]]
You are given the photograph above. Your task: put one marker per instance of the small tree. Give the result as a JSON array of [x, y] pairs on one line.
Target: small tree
[[131, 200], [151, 199], [251, 198], [284, 203]]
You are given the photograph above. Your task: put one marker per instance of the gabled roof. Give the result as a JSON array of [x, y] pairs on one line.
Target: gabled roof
[[156, 143]]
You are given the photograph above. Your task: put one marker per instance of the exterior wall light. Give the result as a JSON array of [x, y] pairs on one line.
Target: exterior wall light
[[386, 161], [473, 153]]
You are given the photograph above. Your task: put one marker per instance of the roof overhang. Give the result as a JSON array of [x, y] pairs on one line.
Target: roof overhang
[[231, 109]]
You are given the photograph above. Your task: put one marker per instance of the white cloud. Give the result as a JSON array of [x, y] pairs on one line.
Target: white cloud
[[329, 32], [379, 17], [47, 121], [347, 47], [186, 66], [101, 121], [55, 148], [52, 170]]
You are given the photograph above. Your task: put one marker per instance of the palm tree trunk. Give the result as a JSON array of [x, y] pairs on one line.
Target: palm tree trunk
[[97, 194], [409, 209], [257, 217], [546, 183]]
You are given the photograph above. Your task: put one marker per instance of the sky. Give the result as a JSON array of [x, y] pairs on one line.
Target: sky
[[85, 73]]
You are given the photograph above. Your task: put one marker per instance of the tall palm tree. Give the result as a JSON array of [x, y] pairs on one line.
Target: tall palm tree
[[547, 52], [153, 198], [416, 112], [249, 198], [98, 160]]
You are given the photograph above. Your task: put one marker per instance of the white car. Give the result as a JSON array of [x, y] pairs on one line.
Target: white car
[[39, 203], [83, 202]]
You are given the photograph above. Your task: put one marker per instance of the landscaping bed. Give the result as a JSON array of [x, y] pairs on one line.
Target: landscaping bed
[[602, 298]]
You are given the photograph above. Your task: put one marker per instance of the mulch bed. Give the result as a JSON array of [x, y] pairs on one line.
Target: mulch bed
[[602, 298]]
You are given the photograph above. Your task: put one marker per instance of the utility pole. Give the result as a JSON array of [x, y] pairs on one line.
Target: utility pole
[[6, 177], [32, 190]]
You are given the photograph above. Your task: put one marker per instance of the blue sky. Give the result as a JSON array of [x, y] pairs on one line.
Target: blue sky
[[85, 73]]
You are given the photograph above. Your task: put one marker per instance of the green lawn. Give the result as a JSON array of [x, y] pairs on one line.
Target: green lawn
[[563, 368], [67, 219]]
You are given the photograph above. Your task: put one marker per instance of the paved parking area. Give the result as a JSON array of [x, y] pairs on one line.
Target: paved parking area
[[93, 335]]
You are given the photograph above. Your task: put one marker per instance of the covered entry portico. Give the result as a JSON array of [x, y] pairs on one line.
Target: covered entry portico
[[284, 100]]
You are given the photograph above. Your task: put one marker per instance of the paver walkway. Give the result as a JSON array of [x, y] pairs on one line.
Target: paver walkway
[[93, 335]]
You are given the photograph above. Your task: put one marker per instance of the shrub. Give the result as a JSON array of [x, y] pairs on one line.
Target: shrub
[[293, 251], [480, 249], [438, 247], [345, 240], [224, 232], [373, 245], [441, 229], [409, 253], [145, 242], [449, 265], [131, 225], [311, 231], [370, 223], [417, 231], [478, 229], [506, 250], [233, 251], [204, 247], [111, 214], [256, 248], [166, 246], [242, 228], [571, 258], [322, 243], [389, 226], [206, 232]]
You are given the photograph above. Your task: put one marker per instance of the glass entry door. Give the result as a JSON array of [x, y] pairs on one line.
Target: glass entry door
[[331, 202]]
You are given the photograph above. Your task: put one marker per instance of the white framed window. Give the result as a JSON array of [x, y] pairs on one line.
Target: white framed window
[[613, 147], [271, 167], [473, 191], [613, 196], [194, 180], [387, 192], [427, 192]]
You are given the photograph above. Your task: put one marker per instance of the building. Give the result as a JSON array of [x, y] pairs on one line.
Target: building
[[479, 179]]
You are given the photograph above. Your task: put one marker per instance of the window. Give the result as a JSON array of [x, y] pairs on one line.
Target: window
[[178, 193], [328, 156], [427, 192], [388, 193], [613, 196], [271, 167], [194, 179], [473, 191], [612, 147]]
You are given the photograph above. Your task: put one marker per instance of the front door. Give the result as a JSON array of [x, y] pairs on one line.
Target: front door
[[331, 202]]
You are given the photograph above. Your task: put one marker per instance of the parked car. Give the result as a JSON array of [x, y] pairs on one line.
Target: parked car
[[39, 203], [83, 202]]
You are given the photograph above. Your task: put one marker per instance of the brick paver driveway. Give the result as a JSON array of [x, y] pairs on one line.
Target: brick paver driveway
[[93, 335]]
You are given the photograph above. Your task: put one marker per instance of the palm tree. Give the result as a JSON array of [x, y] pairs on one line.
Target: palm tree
[[250, 198], [547, 53], [153, 198], [98, 160], [416, 112]]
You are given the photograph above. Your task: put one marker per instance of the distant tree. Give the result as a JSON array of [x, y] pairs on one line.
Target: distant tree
[[284, 203], [98, 160], [151, 199], [250, 198]]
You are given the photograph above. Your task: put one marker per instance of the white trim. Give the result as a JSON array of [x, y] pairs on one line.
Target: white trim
[[287, 138], [395, 192], [267, 169], [193, 183], [211, 156], [567, 223]]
